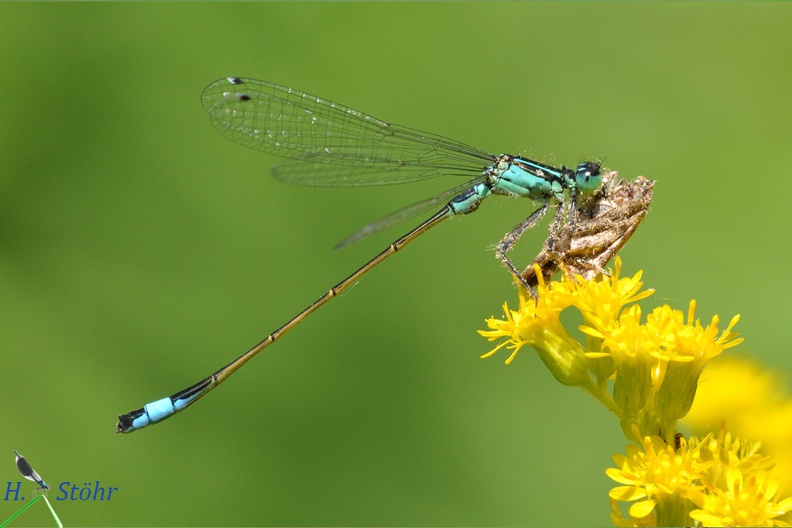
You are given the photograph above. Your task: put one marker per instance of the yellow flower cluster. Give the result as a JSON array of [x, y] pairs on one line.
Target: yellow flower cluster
[[717, 481], [644, 372], [647, 372], [752, 400]]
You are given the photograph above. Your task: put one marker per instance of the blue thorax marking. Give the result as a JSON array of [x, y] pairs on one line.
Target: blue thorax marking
[[530, 179], [514, 176]]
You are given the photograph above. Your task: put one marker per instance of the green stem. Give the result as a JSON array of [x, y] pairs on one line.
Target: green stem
[[20, 510], [603, 397], [54, 515]]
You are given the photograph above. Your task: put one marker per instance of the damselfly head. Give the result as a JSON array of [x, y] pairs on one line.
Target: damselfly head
[[587, 177]]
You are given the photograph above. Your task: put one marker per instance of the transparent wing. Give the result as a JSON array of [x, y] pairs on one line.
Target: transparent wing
[[292, 124], [327, 175], [405, 213]]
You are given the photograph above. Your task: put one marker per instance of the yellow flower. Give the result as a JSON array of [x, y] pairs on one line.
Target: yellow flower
[[749, 499], [658, 478], [651, 367], [646, 370], [743, 489], [752, 400], [537, 323], [600, 301], [717, 481]]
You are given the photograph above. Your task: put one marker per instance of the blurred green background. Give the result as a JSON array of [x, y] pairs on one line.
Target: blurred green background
[[139, 250]]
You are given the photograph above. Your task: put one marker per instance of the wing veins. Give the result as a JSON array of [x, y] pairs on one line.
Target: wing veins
[[292, 124]]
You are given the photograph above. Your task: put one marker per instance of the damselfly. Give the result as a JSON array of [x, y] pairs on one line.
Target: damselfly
[[331, 144], [28, 472]]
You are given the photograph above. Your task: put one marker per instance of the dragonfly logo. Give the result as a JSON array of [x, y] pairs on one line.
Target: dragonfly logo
[[27, 471]]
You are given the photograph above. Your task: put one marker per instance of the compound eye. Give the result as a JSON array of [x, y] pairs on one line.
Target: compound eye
[[587, 177], [588, 168]]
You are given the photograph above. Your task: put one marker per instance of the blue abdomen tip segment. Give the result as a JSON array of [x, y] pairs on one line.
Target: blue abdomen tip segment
[[150, 413], [159, 410]]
